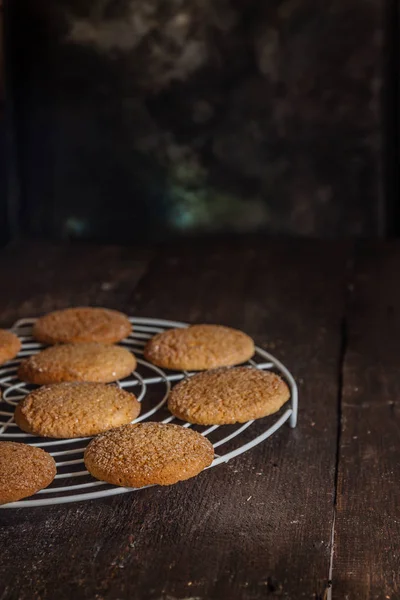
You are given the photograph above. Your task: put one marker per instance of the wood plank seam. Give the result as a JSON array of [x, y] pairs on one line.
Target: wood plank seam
[[344, 327]]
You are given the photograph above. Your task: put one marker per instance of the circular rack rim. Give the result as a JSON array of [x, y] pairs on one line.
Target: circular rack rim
[[144, 328]]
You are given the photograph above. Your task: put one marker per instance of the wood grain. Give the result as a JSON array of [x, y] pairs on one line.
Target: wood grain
[[367, 548], [38, 277], [258, 526]]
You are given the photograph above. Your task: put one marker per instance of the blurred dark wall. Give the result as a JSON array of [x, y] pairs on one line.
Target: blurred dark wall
[[142, 118], [4, 216]]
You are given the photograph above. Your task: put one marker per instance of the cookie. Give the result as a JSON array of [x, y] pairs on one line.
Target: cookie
[[9, 346], [199, 347], [24, 470], [82, 324], [147, 454], [68, 410], [227, 396], [77, 362]]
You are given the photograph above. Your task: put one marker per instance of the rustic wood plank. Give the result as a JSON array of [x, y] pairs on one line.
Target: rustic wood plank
[[38, 277], [258, 526], [367, 539]]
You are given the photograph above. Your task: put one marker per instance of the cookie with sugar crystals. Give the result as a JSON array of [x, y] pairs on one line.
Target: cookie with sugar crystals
[[82, 324], [147, 454], [24, 470], [71, 409], [78, 362], [199, 347], [10, 345], [226, 396]]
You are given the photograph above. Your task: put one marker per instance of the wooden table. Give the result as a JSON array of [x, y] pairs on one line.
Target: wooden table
[[312, 504]]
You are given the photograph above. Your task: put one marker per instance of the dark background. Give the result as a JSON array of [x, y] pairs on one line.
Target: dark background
[[127, 120]]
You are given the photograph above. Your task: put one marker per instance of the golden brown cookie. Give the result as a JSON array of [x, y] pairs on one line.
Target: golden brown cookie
[[9, 346], [226, 396], [24, 470], [199, 347], [147, 454], [77, 362], [82, 324], [68, 410]]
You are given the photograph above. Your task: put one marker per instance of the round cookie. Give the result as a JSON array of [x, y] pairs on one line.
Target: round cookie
[[24, 470], [68, 410], [199, 347], [77, 362], [82, 324], [148, 454], [9, 346], [227, 396]]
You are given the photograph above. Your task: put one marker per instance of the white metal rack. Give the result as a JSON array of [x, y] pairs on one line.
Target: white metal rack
[[151, 385]]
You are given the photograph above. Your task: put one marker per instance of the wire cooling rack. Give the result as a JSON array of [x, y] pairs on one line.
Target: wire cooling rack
[[151, 386]]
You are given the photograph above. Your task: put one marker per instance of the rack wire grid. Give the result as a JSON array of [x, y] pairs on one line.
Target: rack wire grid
[[151, 386]]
